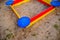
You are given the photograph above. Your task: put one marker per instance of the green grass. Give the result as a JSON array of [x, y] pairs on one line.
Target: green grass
[[0, 7], [10, 35], [56, 26]]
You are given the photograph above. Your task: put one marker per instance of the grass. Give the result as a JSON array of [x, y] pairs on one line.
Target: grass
[[0, 7], [10, 35], [56, 26]]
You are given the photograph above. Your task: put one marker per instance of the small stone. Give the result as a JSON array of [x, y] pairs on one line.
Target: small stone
[[59, 19], [33, 34]]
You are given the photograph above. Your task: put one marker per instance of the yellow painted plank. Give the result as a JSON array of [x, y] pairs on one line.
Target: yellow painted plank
[[16, 13], [47, 1], [18, 4]]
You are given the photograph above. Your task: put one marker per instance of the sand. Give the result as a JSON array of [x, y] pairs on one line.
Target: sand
[[42, 30]]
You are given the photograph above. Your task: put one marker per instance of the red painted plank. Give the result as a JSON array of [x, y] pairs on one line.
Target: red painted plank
[[41, 14], [41, 1], [17, 1]]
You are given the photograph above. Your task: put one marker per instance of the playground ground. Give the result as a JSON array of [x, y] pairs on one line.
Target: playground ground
[[46, 29]]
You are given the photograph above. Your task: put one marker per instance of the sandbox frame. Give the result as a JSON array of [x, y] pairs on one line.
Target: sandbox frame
[[37, 17]]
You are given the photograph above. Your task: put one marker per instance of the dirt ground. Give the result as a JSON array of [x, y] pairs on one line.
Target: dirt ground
[[46, 29]]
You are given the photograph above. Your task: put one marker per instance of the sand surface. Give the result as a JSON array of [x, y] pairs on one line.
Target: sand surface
[[45, 29]]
